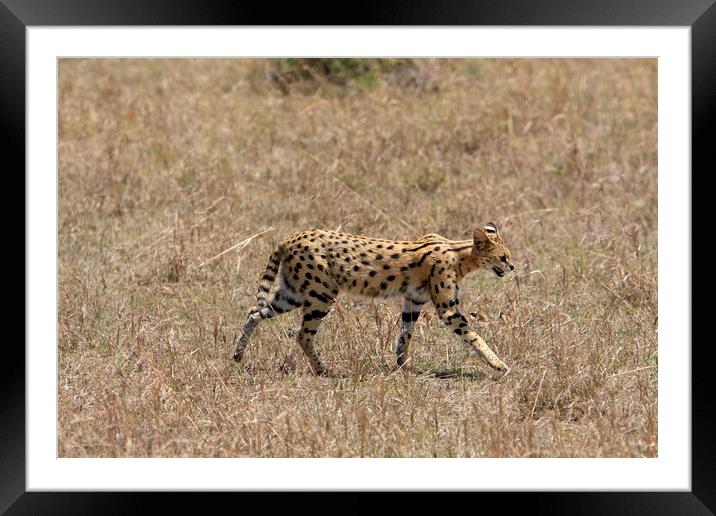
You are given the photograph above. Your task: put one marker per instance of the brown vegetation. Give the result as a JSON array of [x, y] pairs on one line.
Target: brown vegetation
[[165, 164]]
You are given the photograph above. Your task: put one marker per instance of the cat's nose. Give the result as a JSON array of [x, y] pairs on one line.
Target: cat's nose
[[512, 267]]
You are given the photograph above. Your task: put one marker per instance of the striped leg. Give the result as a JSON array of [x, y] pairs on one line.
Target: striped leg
[[410, 314], [312, 318], [457, 322], [283, 301], [447, 305]]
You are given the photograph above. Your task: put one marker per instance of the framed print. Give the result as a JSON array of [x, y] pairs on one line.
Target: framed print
[[270, 245]]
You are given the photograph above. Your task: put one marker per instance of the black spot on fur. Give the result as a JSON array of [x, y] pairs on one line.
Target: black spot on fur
[[409, 317], [419, 247], [319, 296], [422, 258], [316, 314]]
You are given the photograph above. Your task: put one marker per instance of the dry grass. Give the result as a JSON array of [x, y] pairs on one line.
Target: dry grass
[[165, 164]]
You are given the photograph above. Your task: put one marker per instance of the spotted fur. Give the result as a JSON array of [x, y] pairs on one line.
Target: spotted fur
[[315, 266]]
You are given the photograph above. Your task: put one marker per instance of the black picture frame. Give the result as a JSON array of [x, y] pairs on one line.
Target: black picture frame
[[17, 15]]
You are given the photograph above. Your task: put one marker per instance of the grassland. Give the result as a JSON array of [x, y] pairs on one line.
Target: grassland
[[165, 164]]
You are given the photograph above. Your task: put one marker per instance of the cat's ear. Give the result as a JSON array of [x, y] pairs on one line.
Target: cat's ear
[[485, 236], [490, 228], [480, 239]]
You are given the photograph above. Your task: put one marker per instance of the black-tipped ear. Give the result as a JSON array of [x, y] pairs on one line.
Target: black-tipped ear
[[491, 228]]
